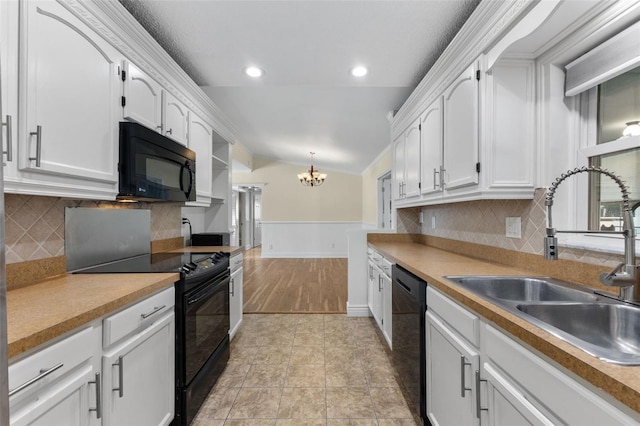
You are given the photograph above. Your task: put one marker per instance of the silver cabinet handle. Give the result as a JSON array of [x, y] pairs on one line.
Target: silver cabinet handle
[[155, 309], [9, 126], [442, 173], [43, 373], [169, 132], [120, 387], [478, 408], [463, 363], [436, 172], [38, 135], [379, 282], [233, 287], [98, 408]]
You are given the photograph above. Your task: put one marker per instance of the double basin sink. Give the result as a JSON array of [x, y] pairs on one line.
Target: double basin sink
[[601, 326]]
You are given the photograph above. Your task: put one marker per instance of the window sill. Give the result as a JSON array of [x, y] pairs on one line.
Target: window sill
[[612, 244]]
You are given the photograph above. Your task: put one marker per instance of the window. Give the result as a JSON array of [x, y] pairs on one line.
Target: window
[[617, 149]]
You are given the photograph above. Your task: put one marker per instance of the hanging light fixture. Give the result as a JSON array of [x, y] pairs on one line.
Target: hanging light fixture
[[312, 177]]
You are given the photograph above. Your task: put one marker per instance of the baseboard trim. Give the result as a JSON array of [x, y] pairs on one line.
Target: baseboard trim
[[358, 310]]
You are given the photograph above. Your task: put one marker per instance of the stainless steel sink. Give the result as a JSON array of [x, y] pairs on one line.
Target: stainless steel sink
[[603, 327], [523, 289], [609, 331]]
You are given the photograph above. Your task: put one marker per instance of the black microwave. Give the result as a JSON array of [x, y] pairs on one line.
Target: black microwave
[[153, 167]]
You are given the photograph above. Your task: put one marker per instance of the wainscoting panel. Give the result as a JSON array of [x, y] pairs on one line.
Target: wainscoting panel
[[306, 239]]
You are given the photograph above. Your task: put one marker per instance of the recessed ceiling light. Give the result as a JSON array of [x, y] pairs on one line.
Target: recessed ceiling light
[[254, 71], [359, 71]]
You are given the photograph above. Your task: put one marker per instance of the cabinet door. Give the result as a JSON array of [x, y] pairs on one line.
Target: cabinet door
[[9, 86], [461, 110], [371, 282], [451, 366], [506, 405], [139, 377], [377, 297], [398, 168], [175, 118], [201, 141], [235, 301], [65, 404], [69, 88], [386, 309], [412, 160], [431, 148], [142, 101]]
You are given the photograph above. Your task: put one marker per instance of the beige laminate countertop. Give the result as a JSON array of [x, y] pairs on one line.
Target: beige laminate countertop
[[431, 264], [48, 309]]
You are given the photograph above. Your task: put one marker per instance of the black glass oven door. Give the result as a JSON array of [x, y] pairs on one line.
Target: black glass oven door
[[206, 322]]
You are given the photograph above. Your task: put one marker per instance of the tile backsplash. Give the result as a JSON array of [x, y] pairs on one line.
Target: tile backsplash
[[34, 225], [483, 222]]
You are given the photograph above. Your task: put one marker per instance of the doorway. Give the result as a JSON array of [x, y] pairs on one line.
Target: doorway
[[250, 216], [385, 218]]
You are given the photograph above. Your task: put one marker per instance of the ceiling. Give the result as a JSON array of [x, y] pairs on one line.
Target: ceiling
[[307, 99]]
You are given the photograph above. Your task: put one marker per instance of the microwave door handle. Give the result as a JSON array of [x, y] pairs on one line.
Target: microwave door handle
[[187, 166]]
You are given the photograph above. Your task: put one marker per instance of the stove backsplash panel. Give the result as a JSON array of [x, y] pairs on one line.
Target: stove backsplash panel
[[34, 225]]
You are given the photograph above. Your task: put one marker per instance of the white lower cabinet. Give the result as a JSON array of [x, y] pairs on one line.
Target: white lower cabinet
[[57, 385], [235, 294], [451, 367], [139, 377], [76, 382], [477, 374], [379, 295]]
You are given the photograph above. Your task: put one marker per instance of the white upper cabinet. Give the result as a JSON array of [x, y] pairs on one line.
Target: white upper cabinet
[[175, 118], [68, 96], [141, 97], [431, 146], [461, 111], [9, 84], [406, 156], [201, 141]]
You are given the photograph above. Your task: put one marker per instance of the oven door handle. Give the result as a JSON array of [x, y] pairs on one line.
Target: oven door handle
[[202, 294]]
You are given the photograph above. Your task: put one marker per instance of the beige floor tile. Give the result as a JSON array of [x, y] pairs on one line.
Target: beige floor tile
[[310, 327], [250, 422], [352, 422], [301, 422], [256, 403], [345, 375], [397, 422], [341, 355], [339, 338], [303, 375], [349, 403], [218, 403], [275, 338], [233, 375], [206, 422], [379, 375], [243, 354], [265, 376], [302, 403], [272, 354], [308, 339], [389, 403], [307, 355]]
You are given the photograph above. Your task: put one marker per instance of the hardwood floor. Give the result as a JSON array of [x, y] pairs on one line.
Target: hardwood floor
[[294, 285]]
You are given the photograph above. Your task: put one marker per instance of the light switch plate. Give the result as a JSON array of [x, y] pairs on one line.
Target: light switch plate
[[514, 227]]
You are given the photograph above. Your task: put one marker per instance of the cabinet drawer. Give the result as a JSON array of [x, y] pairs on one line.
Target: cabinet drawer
[[58, 359], [144, 312], [569, 400], [461, 320], [235, 262]]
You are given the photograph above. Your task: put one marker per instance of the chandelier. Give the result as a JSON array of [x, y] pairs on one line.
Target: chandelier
[[312, 177]]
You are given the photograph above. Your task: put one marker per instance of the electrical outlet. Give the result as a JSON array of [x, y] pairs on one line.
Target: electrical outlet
[[333, 245], [421, 218], [514, 227], [270, 246], [433, 222]]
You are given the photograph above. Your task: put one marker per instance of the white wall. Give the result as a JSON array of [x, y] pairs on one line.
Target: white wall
[[306, 239]]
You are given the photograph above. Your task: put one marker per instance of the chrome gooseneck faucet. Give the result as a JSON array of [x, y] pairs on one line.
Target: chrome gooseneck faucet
[[626, 274]]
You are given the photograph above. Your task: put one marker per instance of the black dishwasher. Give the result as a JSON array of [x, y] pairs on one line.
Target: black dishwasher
[[409, 294]]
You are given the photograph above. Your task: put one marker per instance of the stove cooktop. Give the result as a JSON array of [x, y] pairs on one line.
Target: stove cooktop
[[188, 264]]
